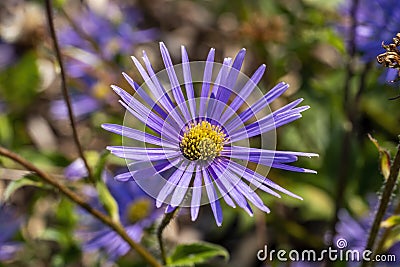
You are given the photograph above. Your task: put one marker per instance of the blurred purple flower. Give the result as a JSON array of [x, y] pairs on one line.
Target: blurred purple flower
[[198, 143], [9, 225], [356, 231], [92, 45], [376, 21], [2, 107], [82, 105], [96, 37], [7, 54], [76, 170], [136, 211]]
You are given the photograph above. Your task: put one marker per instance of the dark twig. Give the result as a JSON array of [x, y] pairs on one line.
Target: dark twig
[[383, 204], [117, 227], [168, 217], [49, 12]]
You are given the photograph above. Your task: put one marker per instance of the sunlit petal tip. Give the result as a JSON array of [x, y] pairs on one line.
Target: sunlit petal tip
[[115, 88], [310, 171], [158, 203], [105, 126]]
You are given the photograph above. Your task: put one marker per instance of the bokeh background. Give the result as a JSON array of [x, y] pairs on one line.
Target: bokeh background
[[303, 42]]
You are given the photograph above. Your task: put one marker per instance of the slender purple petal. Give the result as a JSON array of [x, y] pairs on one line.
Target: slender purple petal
[[242, 171], [231, 188], [243, 94], [161, 95], [256, 107], [205, 89], [221, 188], [187, 76], [139, 135], [230, 81], [175, 87], [212, 196], [182, 187], [215, 107], [196, 196], [181, 173], [139, 90], [242, 188], [140, 153]]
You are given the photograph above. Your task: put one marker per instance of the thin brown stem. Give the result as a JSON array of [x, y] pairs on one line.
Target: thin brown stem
[[49, 12], [117, 227], [168, 217]]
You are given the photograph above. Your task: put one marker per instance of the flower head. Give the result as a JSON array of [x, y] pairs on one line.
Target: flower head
[[93, 42], [194, 143], [376, 21], [136, 212]]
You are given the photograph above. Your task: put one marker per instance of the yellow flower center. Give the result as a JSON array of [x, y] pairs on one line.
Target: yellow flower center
[[202, 141], [138, 210]]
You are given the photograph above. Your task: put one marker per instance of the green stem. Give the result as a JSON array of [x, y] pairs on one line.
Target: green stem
[[168, 217], [383, 204], [117, 227]]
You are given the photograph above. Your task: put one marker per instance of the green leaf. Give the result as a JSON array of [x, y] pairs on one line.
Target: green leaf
[[108, 200], [28, 180], [100, 164], [190, 254], [384, 156], [391, 221], [19, 83], [6, 130]]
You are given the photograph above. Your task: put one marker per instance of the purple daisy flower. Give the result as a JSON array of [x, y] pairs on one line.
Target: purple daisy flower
[[196, 143], [95, 40], [136, 212]]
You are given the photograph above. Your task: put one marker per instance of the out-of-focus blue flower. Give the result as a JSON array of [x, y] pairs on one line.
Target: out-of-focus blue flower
[[9, 225], [136, 211], [92, 45], [76, 170], [197, 142], [7, 54], [355, 232], [376, 21], [2, 107], [82, 105], [96, 37]]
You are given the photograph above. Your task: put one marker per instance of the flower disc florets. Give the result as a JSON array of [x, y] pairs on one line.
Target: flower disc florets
[[202, 141]]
